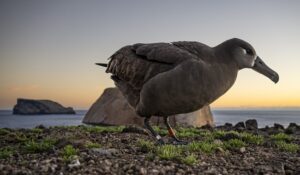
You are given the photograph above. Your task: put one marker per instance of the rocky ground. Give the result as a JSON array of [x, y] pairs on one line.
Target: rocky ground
[[239, 149]]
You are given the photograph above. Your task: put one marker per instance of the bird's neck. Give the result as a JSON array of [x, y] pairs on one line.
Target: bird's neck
[[223, 77]]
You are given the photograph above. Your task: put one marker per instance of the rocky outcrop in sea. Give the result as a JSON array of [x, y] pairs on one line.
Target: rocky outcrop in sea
[[30, 107]]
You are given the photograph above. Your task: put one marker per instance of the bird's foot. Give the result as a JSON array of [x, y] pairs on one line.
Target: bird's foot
[[176, 141], [160, 142]]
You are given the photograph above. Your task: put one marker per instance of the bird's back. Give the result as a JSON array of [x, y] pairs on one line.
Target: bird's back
[[134, 69]]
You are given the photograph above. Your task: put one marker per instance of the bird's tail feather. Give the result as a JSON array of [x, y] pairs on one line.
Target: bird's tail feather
[[101, 64]]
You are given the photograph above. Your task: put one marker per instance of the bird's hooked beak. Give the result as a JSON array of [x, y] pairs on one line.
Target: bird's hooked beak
[[262, 68]]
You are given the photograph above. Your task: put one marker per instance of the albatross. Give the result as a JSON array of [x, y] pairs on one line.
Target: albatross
[[164, 79]]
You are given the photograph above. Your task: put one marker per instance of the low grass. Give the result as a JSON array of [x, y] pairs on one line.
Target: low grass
[[218, 134], [90, 145], [6, 152], [289, 147], [234, 144], [160, 131], [4, 131], [180, 131], [69, 152], [168, 152], [99, 129], [19, 137], [38, 147], [69, 128], [36, 130], [281, 137], [188, 132], [189, 160], [251, 139], [146, 146]]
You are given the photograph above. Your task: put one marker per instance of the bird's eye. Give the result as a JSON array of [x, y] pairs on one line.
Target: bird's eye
[[249, 52]]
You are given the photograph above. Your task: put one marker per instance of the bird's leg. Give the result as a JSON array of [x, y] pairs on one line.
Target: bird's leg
[[176, 141], [157, 136]]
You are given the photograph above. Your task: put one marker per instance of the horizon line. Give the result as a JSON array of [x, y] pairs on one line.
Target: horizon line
[[212, 108]]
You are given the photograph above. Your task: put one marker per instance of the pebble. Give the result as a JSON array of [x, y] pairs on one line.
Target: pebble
[[211, 170], [45, 168], [53, 167], [242, 149], [143, 170], [107, 162], [218, 142], [220, 150], [104, 152], [1, 166], [74, 163], [91, 161], [154, 171], [203, 164], [251, 158]]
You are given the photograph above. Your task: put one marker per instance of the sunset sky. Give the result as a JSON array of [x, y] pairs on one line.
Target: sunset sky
[[48, 48]]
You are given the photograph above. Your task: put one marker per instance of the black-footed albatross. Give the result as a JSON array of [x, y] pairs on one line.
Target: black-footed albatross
[[163, 79]]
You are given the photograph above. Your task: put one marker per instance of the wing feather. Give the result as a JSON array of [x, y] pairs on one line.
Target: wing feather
[[132, 66]]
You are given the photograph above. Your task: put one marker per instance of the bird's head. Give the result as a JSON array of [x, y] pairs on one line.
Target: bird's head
[[245, 57]]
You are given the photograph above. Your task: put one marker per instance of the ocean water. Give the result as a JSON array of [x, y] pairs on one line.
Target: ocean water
[[221, 116], [264, 117], [8, 120]]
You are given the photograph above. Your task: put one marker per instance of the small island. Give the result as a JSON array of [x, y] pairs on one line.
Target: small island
[[35, 107]]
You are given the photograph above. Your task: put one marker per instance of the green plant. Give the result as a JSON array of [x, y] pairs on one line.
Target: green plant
[[68, 152], [207, 137], [160, 131], [189, 160], [281, 137], [4, 131], [37, 147], [5, 152], [204, 147], [20, 137], [234, 143], [168, 152], [36, 130], [250, 138], [188, 132], [218, 134], [145, 145], [99, 129], [92, 145], [289, 147]]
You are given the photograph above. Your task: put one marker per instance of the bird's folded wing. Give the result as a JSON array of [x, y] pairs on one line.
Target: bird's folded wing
[[163, 53]]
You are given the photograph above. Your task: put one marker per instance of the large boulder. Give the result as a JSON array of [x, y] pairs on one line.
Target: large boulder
[[29, 107], [111, 108]]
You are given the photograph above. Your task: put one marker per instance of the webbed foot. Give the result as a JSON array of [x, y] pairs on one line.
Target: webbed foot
[[176, 141]]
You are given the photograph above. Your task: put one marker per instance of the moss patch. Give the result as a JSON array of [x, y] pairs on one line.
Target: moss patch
[[38, 147], [92, 145], [6, 152], [289, 147], [68, 152], [281, 137]]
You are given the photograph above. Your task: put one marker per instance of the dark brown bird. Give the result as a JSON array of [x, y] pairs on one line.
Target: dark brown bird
[[163, 79]]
